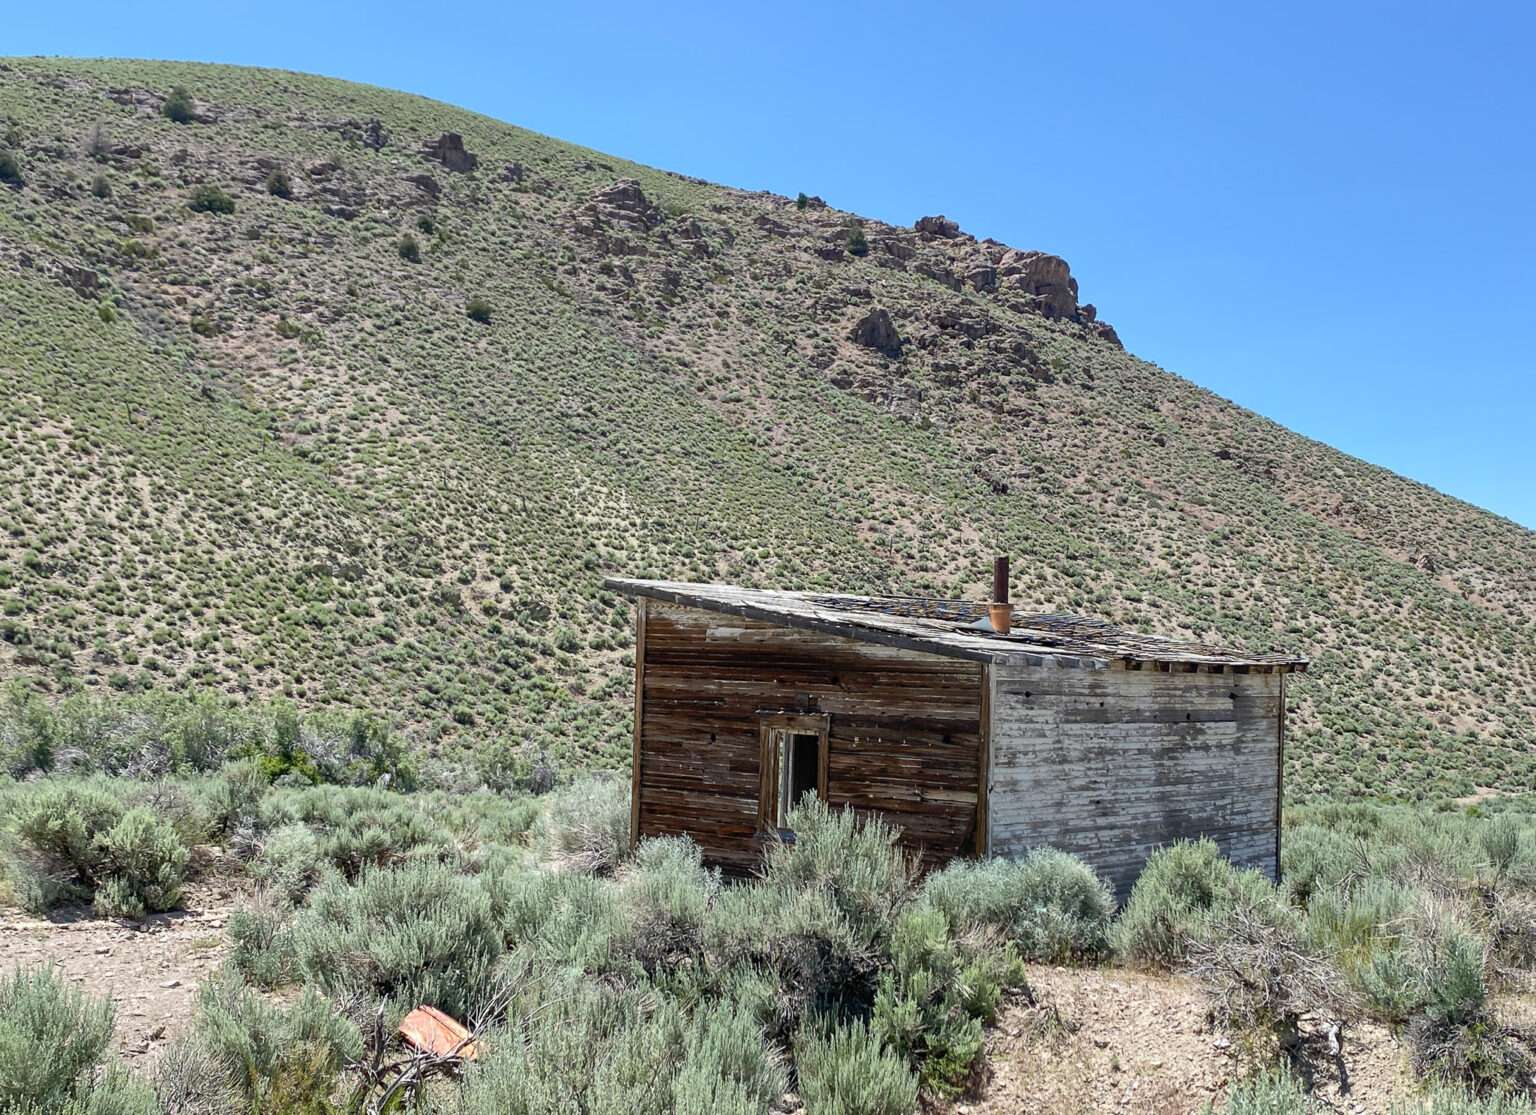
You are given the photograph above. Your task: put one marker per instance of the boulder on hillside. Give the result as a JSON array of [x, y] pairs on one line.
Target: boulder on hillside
[[940, 227], [876, 330], [1044, 280], [448, 149], [1105, 332], [624, 203], [426, 184]]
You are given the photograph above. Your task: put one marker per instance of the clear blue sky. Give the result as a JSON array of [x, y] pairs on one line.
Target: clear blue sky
[[1322, 211]]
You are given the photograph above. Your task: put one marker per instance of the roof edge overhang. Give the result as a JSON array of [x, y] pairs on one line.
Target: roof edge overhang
[[972, 648]]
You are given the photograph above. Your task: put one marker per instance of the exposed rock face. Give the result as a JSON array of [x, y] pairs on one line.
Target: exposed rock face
[[1044, 281], [613, 211], [691, 233], [374, 136], [941, 227], [448, 149], [82, 280], [624, 203], [876, 330], [426, 184], [1105, 332], [369, 133]]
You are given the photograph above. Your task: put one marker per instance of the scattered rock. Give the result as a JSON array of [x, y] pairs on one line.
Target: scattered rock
[[1105, 332], [426, 184], [941, 227], [448, 149], [938, 273], [624, 203], [374, 136], [614, 210], [876, 330], [691, 233], [82, 280], [514, 172], [982, 276]]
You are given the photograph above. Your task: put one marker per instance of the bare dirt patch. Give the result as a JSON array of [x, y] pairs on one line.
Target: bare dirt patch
[[1111, 1040], [150, 970]]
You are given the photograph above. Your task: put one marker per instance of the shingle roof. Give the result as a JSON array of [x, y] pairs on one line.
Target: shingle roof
[[958, 628]]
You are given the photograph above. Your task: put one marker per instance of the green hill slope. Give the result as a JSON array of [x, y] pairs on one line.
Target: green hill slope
[[271, 451]]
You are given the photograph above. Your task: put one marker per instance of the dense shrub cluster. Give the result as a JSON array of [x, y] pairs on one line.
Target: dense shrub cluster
[[89, 840], [1051, 905], [158, 734]]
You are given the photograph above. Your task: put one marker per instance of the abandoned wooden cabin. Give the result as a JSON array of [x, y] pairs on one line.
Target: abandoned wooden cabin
[[972, 728]]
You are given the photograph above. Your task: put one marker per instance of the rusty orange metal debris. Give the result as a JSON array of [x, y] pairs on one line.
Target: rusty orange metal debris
[[431, 1031]]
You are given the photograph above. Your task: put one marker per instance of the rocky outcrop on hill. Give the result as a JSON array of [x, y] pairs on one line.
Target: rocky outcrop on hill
[[876, 330], [613, 211], [448, 149], [941, 227]]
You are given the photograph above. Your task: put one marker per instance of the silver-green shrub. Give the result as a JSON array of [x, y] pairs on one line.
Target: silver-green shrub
[[418, 933], [585, 826], [1051, 905], [52, 1038], [845, 1070]]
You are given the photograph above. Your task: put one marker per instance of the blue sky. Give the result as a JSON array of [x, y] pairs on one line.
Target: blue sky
[[1322, 211]]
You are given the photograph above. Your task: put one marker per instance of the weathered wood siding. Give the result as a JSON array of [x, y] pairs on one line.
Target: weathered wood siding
[[903, 730], [1111, 764]]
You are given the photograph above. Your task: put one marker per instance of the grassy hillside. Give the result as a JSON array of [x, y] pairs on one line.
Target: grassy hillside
[[270, 451]]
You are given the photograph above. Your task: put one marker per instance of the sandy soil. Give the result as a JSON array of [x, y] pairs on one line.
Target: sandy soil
[[1109, 1040], [150, 970]]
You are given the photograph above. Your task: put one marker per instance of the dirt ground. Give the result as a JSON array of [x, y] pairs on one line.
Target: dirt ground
[[1110, 1040], [151, 969]]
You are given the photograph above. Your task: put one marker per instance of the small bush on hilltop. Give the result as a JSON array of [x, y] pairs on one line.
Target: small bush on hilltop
[[10, 168], [727, 1067], [1261, 977], [144, 863], [409, 250], [560, 919], [178, 106], [478, 309], [933, 1001], [1272, 1093], [279, 184], [40, 1012], [1454, 1035], [1050, 904], [210, 199], [1454, 1101], [666, 893], [263, 948], [583, 1047]]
